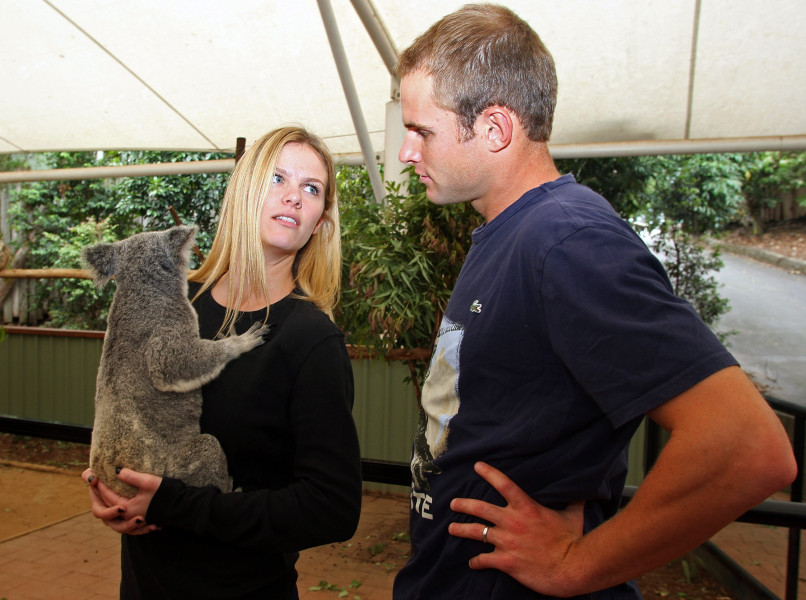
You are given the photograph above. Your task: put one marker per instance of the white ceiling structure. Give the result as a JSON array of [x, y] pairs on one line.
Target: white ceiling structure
[[635, 76]]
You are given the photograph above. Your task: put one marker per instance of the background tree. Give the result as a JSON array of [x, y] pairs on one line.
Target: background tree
[[56, 218], [401, 257], [767, 176], [686, 197], [622, 180], [698, 193], [196, 198]]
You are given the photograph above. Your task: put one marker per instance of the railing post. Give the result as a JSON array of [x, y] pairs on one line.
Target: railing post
[[796, 495], [651, 445]]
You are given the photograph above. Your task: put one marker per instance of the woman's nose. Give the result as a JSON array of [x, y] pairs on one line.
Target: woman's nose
[[292, 196]]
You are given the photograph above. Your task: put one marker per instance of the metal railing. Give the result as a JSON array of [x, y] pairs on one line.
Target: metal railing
[[798, 413], [791, 514]]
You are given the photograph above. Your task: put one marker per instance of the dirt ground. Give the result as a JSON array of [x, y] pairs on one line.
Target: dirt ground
[[26, 504], [40, 483], [786, 239]]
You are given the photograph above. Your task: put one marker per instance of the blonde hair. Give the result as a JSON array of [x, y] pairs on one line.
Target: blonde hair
[[484, 55], [237, 247]]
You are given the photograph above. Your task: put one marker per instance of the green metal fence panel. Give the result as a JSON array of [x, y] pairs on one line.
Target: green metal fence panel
[[49, 377], [52, 378], [385, 413], [635, 456]]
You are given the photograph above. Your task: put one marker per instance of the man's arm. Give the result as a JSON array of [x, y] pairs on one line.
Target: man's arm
[[728, 451]]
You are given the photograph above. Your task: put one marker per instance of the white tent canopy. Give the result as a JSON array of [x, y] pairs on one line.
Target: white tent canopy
[[635, 76]]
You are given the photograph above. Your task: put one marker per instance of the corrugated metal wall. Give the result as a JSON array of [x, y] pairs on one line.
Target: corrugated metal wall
[[52, 378], [48, 377], [385, 413]]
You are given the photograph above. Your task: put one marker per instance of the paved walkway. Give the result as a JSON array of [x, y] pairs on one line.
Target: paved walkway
[[77, 559]]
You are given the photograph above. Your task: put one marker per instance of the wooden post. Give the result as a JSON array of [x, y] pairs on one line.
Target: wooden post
[[240, 148]]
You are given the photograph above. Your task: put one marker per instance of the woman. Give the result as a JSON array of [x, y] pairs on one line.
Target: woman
[[281, 411]]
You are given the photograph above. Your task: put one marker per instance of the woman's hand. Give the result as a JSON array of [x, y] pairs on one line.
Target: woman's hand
[[124, 515]]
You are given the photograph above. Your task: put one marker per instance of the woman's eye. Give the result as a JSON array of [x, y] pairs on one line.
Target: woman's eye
[[277, 178], [312, 189]]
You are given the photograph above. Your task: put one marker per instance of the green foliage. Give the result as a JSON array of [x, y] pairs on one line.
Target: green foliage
[[674, 197], [56, 218], [690, 268], [401, 259], [12, 162], [402, 536], [766, 176], [622, 180], [343, 592], [73, 303], [196, 198], [697, 193], [55, 206]]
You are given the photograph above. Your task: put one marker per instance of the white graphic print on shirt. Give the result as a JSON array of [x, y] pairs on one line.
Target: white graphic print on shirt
[[440, 402]]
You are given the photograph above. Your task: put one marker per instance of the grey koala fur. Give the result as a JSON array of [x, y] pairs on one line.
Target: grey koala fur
[[148, 391]]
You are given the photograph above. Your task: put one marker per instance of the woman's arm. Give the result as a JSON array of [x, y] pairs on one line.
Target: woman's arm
[[322, 504]]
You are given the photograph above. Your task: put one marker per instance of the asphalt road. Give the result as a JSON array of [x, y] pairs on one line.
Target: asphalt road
[[768, 312]]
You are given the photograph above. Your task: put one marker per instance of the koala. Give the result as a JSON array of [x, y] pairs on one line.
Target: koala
[[153, 363]]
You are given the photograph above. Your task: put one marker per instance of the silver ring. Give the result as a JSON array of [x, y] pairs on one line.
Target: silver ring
[[484, 534]]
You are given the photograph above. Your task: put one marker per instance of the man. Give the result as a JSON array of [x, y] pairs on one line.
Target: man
[[562, 332]]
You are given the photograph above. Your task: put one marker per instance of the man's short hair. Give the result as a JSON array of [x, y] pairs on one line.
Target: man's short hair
[[484, 55]]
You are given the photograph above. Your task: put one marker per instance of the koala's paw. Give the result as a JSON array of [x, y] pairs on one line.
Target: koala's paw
[[255, 336]]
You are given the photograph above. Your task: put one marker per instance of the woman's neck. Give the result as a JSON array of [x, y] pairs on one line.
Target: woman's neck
[[281, 284]]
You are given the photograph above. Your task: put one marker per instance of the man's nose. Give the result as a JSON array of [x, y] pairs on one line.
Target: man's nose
[[409, 151]]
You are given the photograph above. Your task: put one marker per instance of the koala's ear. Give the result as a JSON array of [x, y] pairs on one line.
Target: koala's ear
[[100, 261], [181, 237], [180, 240]]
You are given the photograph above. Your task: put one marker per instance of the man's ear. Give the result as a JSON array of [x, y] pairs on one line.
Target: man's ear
[[498, 124]]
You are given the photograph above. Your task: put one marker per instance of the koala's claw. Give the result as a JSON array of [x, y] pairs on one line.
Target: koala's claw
[[257, 334]]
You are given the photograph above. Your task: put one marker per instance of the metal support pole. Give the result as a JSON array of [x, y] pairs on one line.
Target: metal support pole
[[189, 167], [351, 95], [377, 32], [393, 136]]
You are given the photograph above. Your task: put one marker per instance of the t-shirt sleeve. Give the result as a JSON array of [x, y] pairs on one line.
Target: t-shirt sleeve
[[323, 502], [618, 327]]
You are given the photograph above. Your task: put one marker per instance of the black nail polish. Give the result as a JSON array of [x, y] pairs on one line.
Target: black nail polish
[[139, 521], [91, 478], [118, 470]]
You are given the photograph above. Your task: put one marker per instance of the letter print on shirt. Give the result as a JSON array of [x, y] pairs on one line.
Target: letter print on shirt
[[440, 402]]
